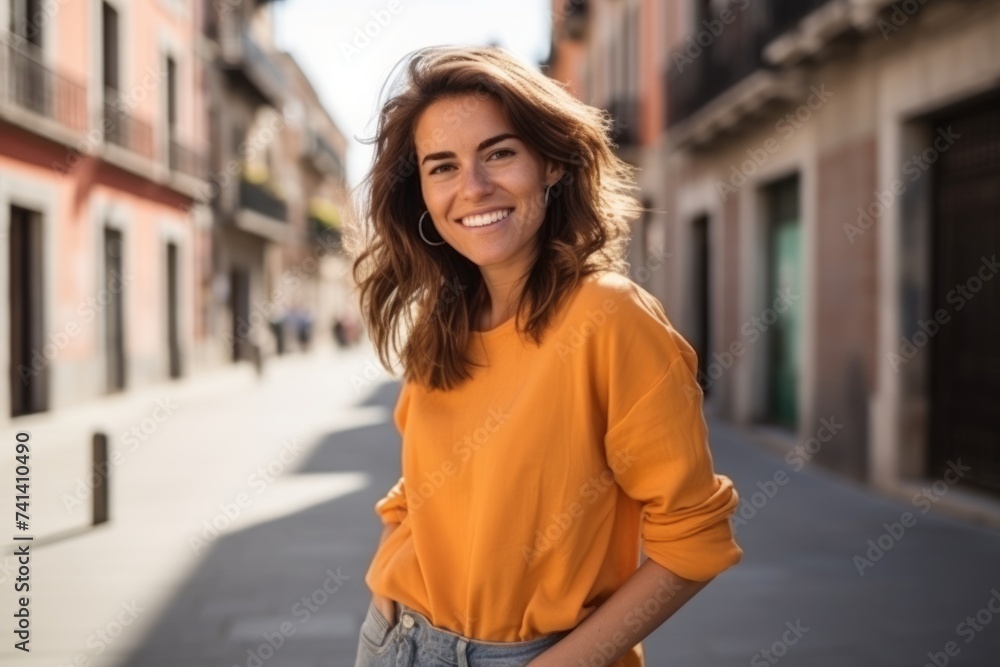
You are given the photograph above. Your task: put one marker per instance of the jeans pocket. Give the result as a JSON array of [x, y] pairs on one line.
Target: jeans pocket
[[376, 632]]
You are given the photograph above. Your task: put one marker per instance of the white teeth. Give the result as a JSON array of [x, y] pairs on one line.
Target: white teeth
[[486, 218]]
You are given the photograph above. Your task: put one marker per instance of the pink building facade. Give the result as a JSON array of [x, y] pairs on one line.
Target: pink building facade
[[101, 188]]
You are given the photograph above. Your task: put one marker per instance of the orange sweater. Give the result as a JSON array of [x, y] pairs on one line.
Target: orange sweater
[[526, 490]]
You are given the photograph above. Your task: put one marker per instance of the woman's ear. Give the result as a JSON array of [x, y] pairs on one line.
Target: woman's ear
[[554, 172]]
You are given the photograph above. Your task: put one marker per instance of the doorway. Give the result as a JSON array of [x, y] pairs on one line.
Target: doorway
[[701, 291], [29, 358], [964, 352], [784, 274]]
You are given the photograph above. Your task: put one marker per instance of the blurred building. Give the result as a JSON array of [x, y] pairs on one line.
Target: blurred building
[[822, 179], [315, 148], [279, 162], [169, 185], [101, 126]]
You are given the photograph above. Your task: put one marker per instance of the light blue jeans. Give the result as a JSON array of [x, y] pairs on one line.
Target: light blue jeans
[[414, 642]]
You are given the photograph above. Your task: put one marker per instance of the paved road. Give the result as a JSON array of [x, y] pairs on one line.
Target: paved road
[[242, 528]]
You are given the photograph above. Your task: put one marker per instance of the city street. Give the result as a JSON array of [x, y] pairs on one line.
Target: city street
[[242, 525]]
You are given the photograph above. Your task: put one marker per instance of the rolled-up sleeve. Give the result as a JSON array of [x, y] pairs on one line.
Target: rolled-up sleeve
[[392, 507], [663, 441]]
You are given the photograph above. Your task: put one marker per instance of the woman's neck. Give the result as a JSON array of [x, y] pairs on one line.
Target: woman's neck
[[504, 293]]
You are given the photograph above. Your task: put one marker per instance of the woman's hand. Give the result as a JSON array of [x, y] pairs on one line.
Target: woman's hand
[[607, 633], [386, 607]]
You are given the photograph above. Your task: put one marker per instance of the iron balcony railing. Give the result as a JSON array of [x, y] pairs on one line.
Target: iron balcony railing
[[322, 154], [123, 129], [185, 160], [319, 231], [721, 54], [257, 198], [27, 82], [785, 14], [242, 54]]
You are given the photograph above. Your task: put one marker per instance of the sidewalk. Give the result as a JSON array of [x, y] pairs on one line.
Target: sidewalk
[[242, 528], [188, 485], [61, 451]]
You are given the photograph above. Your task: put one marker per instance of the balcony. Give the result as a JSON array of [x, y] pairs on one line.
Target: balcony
[[624, 113], [320, 232], [259, 211], [257, 198], [123, 129], [324, 224], [698, 74], [318, 152], [29, 88], [184, 160], [247, 61], [786, 14]]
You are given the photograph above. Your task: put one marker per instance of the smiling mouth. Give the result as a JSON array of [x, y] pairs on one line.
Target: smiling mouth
[[486, 218]]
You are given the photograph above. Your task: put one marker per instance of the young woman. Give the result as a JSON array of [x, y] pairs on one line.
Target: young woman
[[550, 414]]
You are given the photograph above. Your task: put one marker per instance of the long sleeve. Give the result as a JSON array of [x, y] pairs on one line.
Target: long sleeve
[[668, 468], [659, 440], [392, 507]]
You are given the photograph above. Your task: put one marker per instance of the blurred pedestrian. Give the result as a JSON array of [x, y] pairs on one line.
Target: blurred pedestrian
[[277, 323], [339, 332], [550, 414], [302, 320]]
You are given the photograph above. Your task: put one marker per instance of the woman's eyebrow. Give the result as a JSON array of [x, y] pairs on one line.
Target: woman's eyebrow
[[443, 155]]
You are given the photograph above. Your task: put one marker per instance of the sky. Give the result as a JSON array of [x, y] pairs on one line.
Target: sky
[[348, 47]]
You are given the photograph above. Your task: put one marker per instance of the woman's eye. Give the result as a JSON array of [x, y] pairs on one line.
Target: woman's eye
[[441, 168]]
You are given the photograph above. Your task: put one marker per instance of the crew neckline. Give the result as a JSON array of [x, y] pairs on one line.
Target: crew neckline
[[504, 326]]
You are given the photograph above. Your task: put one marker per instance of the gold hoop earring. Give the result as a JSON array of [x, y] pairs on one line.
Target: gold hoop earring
[[547, 193], [420, 228]]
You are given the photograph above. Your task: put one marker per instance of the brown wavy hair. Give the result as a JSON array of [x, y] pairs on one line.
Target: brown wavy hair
[[420, 302]]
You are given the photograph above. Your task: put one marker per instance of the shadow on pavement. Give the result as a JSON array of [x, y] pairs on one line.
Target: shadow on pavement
[[289, 592]]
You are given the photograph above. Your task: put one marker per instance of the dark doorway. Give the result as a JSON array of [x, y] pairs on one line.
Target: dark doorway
[[29, 358], [700, 295], [965, 351], [784, 273]]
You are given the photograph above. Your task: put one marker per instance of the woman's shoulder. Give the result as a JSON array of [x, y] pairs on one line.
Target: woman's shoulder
[[624, 324], [610, 293]]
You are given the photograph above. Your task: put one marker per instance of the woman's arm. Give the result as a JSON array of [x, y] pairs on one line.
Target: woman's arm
[[648, 598]]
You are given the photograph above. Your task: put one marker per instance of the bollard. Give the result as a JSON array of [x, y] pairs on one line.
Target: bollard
[[102, 472]]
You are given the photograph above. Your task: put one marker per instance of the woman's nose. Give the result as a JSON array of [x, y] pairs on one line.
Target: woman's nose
[[476, 182]]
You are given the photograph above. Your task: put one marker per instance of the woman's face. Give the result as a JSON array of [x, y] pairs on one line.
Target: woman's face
[[483, 185]]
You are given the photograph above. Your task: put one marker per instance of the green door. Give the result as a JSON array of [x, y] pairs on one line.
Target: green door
[[784, 277]]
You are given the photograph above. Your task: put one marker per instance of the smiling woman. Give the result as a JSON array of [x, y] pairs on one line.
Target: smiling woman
[[550, 414], [472, 133], [484, 194]]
